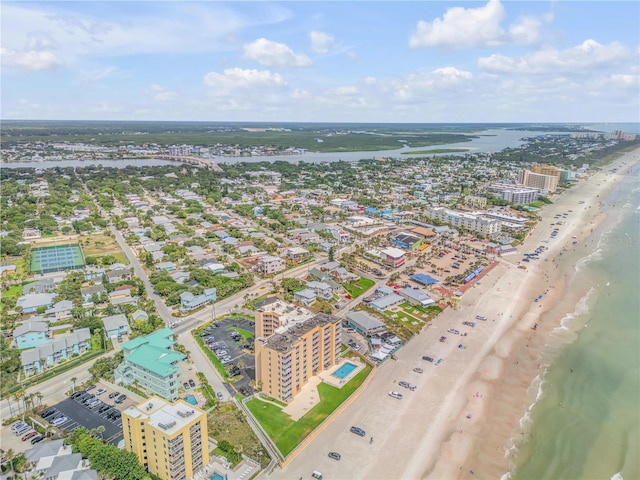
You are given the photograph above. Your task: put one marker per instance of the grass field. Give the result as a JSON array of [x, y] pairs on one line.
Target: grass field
[[358, 288], [286, 433], [227, 423], [100, 244]]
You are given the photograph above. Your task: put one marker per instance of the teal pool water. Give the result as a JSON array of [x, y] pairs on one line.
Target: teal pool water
[[216, 476], [191, 399], [344, 370]]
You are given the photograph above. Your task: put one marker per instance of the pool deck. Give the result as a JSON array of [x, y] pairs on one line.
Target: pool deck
[[245, 469], [309, 396]]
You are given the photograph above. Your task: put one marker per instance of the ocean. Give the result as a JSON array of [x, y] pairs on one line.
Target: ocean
[[585, 422]]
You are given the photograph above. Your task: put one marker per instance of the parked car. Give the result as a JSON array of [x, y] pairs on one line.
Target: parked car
[[23, 429], [114, 394], [395, 395], [90, 387], [37, 439], [428, 359], [192, 383], [100, 391], [454, 331], [334, 455], [418, 370], [29, 435], [358, 431], [185, 385], [121, 399]]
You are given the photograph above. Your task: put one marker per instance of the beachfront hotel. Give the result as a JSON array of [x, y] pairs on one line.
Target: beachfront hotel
[[541, 181], [292, 345], [170, 439]]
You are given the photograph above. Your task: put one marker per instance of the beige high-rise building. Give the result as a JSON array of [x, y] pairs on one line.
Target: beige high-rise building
[[291, 350], [538, 180], [170, 439], [546, 170]]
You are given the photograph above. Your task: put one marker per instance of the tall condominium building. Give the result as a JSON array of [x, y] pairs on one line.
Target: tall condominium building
[[546, 170], [291, 348], [170, 439], [548, 183], [515, 193]]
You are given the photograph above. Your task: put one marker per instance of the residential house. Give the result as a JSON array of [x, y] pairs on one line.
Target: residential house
[[60, 310], [189, 301], [7, 268], [116, 325], [44, 285], [167, 266], [31, 333], [343, 275], [151, 361], [306, 297], [139, 316], [296, 253], [269, 264], [52, 460], [31, 234], [92, 272], [31, 302], [115, 276], [55, 350], [88, 293], [323, 290], [180, 276]]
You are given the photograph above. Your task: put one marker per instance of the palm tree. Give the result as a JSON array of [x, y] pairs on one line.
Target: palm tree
[[17, 396], [99, 430], [9, 455], [73, 379]]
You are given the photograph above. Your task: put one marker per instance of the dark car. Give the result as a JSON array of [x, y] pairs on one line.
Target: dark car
[[192, 383], [114, 394], [121, 398], [428, 359], [185, 385], [37, 439], [90, 387], [358, 431], [334, 455]]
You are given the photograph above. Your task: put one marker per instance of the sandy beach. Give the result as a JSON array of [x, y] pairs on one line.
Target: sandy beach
[[465, 411], [507, 378]]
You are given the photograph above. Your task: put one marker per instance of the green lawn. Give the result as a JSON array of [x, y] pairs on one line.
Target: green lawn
[[358, 288], [244, 333], [286, 433]]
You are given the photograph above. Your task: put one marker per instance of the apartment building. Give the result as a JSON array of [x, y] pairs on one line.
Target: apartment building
[[515, 193], [468, 221], [546, 170], [294, 352], [548, 183], [152, 361], [269, 264], [170, 439]]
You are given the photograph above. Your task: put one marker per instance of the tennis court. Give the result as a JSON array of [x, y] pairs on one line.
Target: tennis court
[[56, 258]]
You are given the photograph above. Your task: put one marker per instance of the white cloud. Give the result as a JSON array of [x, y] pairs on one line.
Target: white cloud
[[477, 27], [30, 59], [346, 91], [273, 54], [370, 81], [588, 55], [160, 93], [421, 85], [462, 27], [321, 42], [300, 93], [234, 78]]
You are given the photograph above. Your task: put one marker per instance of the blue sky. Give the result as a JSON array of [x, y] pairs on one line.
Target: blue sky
[[329, 61]]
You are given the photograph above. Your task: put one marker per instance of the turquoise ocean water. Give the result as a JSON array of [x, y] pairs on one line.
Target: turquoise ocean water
[[585, 423]]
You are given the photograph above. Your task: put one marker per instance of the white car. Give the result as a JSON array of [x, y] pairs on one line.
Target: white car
[[395, 395], [100, 391]]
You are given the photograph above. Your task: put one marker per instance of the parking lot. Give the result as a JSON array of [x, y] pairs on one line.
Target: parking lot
[[99, 406], [219, 338]]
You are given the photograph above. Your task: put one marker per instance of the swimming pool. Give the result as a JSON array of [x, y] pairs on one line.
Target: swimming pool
[[344, 370], [191, 399], [216, 476]]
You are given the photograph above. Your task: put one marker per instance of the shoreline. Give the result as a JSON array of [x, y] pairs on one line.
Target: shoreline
[[508, 379]]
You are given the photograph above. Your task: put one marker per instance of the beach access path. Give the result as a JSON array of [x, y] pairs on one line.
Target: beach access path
[[421, 436]]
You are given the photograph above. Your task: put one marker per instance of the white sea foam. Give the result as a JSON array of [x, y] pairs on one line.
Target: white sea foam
[[593, 256], [617, 476], [582, 308]]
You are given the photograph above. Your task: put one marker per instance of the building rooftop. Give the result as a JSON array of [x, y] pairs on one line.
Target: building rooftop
[[283, 342], [289, 314], [165, 416]]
